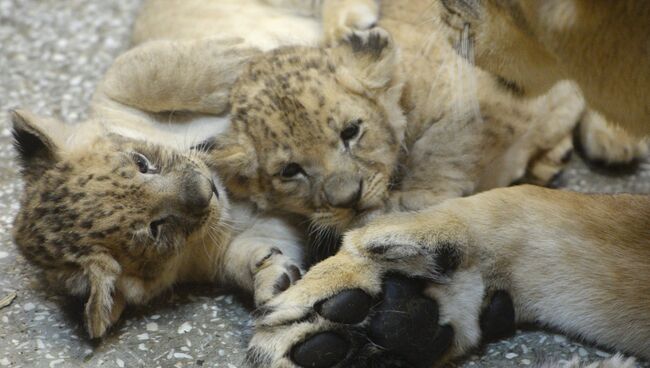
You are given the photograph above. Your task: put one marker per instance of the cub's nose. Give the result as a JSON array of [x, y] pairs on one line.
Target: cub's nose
[[196, 193], [343, 190]]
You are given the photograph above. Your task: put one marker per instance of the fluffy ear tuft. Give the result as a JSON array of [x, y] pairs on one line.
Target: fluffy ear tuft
[[368, 60], [37, 149]]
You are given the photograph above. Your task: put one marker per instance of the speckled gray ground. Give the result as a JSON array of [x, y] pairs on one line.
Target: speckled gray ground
[[51, 54]]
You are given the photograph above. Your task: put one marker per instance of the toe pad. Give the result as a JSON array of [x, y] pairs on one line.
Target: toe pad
[[347, 307], [322, 350]]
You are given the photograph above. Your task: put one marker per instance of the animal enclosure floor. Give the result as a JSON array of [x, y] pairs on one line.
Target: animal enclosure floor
[[52, 53]]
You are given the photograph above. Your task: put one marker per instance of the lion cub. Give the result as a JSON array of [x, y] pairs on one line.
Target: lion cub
[[117, 219], [342, 134]]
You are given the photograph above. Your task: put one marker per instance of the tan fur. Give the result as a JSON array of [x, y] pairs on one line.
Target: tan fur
[[539, 151], [497, 232], [609, 143], [536, 43], [574, 262], [86, 214], [290, 106], [86, 210]]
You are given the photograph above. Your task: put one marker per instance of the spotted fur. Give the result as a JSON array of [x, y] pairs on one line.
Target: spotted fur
[[421, 139]]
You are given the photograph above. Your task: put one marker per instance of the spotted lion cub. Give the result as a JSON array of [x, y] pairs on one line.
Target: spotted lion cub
[[117, 220], [384, 122], [119, 208]]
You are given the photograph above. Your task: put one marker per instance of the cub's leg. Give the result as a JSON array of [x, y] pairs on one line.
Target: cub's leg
[[524, 253], [541, 154], [546, 169], [265, 260], [161, 76], [341, 17], [606, 143]]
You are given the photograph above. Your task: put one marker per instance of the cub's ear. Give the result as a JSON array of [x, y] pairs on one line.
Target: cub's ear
[[233, 157], [367, 61], [36, 141]]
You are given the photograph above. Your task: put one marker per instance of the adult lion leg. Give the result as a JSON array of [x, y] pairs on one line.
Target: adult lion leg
[[560, 255], [556, 254]]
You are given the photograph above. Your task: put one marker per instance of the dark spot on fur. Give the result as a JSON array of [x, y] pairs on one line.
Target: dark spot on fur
[[97, 235], [86, 224], [448, 258], [77, 196]]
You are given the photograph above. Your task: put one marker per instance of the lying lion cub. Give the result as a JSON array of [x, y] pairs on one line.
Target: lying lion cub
[[117, 219], [117, 209]]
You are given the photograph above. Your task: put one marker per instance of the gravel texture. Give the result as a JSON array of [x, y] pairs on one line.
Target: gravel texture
[[52, 53]]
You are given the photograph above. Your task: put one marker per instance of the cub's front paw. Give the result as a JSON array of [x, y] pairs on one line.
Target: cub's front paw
[[274, 273], [606, 144], [342, 17]]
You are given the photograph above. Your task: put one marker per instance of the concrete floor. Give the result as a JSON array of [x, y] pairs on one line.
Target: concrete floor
[[51, 54]]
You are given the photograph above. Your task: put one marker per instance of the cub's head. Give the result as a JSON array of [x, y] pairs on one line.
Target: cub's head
[[316, 132], [101, 213]]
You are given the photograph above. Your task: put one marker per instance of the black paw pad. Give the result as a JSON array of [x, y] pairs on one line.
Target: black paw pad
[[498, 318], [322, 350], [282, 284], [347, 307], [406, 324]]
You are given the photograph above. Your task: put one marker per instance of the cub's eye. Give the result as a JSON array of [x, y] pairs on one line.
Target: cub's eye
[[291, 170], [154, 228], [144, 166], [352, 131]]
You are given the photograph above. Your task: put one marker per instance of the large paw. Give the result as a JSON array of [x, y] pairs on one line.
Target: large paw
[[274, 273], [355, 310]]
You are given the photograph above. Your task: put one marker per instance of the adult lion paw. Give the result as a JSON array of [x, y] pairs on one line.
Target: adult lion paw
[[375, 305]]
